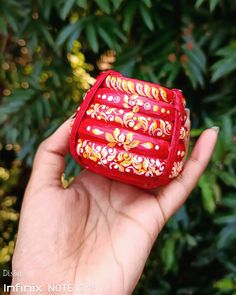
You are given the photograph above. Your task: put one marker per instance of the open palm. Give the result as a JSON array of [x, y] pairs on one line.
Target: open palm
[[96, 234]]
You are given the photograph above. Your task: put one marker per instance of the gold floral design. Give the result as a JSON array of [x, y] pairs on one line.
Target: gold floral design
[[122, 161], [163, 130], [163, 94], [143, 89], [138, 165], [176, 169], [97, 131], [95, 153], [87, 152], [132, 120], [183, 133], [119, 138], [133, 102], [147, 145], [101, 111]]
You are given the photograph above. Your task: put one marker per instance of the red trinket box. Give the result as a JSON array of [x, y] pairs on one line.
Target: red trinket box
[[130, 130]]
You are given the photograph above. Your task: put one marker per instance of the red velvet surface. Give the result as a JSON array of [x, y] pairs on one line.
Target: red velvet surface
[[130, 130]]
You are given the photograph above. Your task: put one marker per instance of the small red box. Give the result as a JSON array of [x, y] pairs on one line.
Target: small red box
[[130, 130]]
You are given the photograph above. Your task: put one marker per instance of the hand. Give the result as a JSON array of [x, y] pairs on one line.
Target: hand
[[97, 233]]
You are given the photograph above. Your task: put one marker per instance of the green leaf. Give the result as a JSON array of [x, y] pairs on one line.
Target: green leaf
[[194, 73], [3, 26], [56, 79], [227, 51], [116, 3], [226, 236], [223, 68], [68, 4], [129, 12], [47, 34], [104, 5], [46, 8], [72, 168], [64, 34], [146, 15], [229, 201], [148, 3], [82, 3], [226, 64], [69, 30], [119, 33], [225, 284], [72, 38], [106, 37], [213, 4], [227, 218], [172, 75], [27, 148], [13, 135], [197, 56], [169, 253], [216, 96], [227, 131], [227, 178], [206, 186], [92, 37], [12, 21], [39, 110], [47, 108], [196, 132], [191, 240], [199, 3]]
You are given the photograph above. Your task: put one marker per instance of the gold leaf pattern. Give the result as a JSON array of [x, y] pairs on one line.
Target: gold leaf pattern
[[122, 161], [116, 133], [120, 138], [155, 92], [112, 144], [133, 144], [176, 169], [97, 131], [129, 137], [163, 94], [109, 137], [130, 119], [131, 86], [147, 145], [147, 90], [141, 89], [135, 109], [118, 120]]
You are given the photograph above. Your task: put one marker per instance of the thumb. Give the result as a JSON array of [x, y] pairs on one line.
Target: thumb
[[49, 161], [172, 196]]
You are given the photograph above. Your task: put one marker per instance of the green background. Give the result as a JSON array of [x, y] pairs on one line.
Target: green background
[[50, 52]]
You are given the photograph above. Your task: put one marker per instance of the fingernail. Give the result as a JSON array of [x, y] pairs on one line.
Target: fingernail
[[216, 129]]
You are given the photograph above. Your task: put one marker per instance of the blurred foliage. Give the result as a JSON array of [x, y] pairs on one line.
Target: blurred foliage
[[8, 216], [50, 52], [9, 185]]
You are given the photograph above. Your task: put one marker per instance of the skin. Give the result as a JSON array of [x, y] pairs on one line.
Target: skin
[[97, 233]]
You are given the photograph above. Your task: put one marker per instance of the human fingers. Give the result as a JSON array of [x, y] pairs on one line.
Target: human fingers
[[49, 162], [172, 197]]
